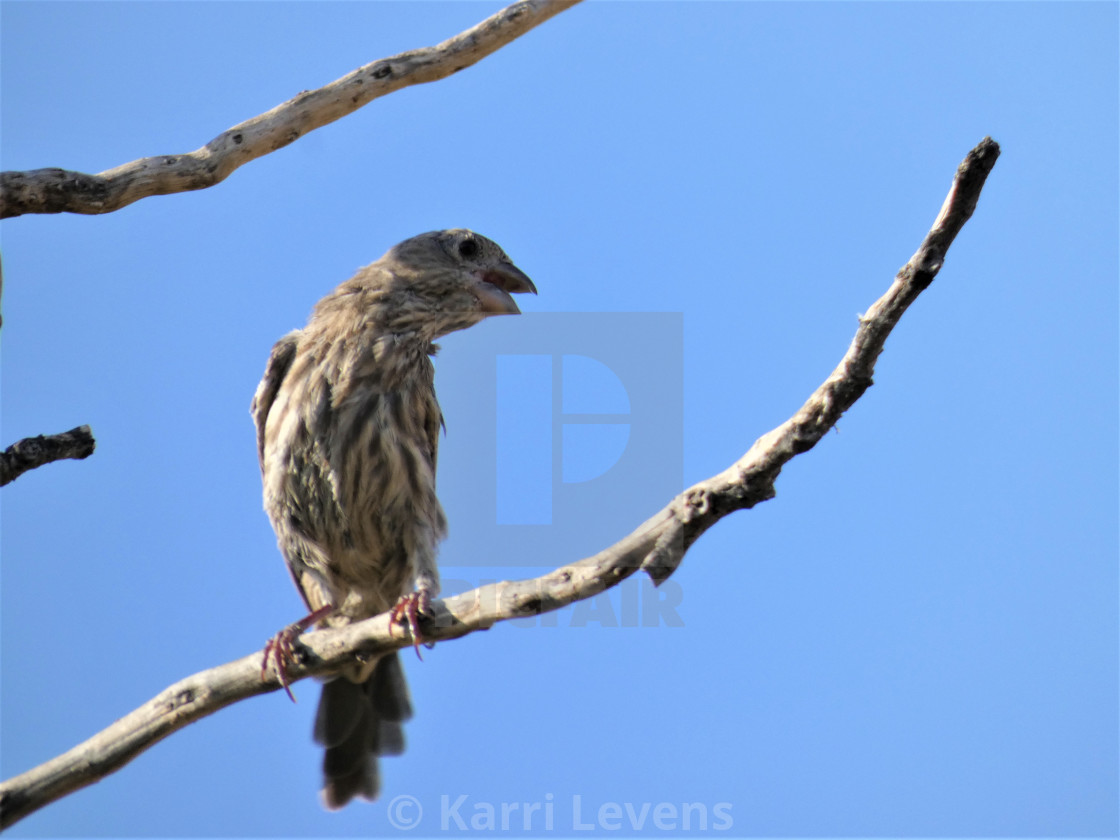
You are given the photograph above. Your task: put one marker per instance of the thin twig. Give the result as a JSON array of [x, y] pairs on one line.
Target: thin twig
[[658, 545], [64, 191]]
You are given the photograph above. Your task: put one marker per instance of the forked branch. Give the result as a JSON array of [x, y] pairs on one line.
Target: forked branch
[[657, 546]]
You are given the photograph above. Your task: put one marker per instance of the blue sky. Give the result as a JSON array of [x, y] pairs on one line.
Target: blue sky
[[917, 637]]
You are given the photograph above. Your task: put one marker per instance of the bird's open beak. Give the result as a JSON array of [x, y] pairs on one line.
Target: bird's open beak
[[497, 284]]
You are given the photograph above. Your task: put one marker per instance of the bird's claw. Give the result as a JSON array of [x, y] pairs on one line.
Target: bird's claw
[[407, 612], [280, 649]]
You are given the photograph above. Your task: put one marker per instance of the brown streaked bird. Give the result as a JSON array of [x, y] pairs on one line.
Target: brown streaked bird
[[347, 432]]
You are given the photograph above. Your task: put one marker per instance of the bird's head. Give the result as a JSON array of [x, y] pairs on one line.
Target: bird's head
[[449, 280]]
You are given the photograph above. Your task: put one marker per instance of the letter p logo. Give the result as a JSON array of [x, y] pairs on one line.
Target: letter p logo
[[575, 423]]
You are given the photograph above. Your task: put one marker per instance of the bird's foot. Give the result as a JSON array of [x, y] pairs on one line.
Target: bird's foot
[[407, 612], [280, 649]]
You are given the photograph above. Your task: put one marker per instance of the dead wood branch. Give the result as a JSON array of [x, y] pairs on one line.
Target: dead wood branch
[[63, 191], [33, 452], [658, 545]]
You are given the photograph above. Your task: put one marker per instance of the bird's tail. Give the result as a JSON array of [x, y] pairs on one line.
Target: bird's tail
[[356, 723]]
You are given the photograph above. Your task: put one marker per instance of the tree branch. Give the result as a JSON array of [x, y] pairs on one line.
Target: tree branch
[[33, 452], [64, 191], [657, 546]]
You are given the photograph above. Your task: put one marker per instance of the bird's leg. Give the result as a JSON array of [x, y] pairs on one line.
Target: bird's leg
[[279, 650], [407, 612]]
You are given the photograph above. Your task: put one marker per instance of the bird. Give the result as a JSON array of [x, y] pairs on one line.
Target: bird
[[347, 426]]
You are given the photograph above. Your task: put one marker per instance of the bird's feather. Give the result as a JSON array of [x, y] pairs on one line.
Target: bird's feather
[[348, 434]]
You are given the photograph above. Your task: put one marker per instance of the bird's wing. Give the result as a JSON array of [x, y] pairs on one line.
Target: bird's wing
[[279, 362], [433, 423]]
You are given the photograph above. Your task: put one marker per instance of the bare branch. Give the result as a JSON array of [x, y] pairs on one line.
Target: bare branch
[[657, 546], [33, 452], [64, 191], [750, 480]]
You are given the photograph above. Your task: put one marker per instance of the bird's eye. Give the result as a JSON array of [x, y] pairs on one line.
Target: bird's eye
[[468, 249]]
